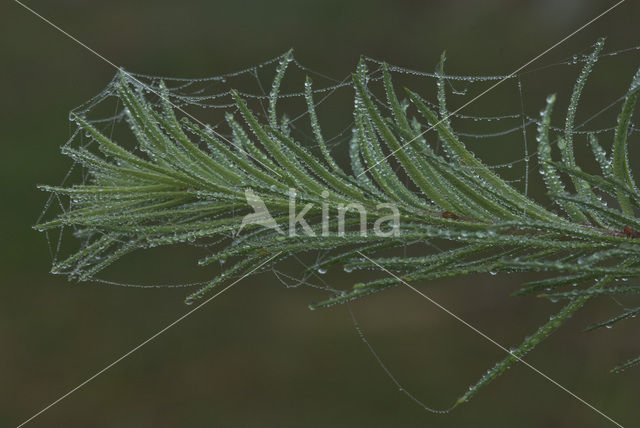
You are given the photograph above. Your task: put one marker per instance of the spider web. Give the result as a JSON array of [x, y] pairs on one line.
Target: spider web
[[500, 127]]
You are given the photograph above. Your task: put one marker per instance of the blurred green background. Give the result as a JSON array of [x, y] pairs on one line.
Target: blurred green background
[[257, 356]]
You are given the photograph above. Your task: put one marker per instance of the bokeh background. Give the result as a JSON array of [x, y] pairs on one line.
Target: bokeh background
[[257, 357]]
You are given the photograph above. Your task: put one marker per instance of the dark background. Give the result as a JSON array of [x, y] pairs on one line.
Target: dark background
[[257, 356]]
